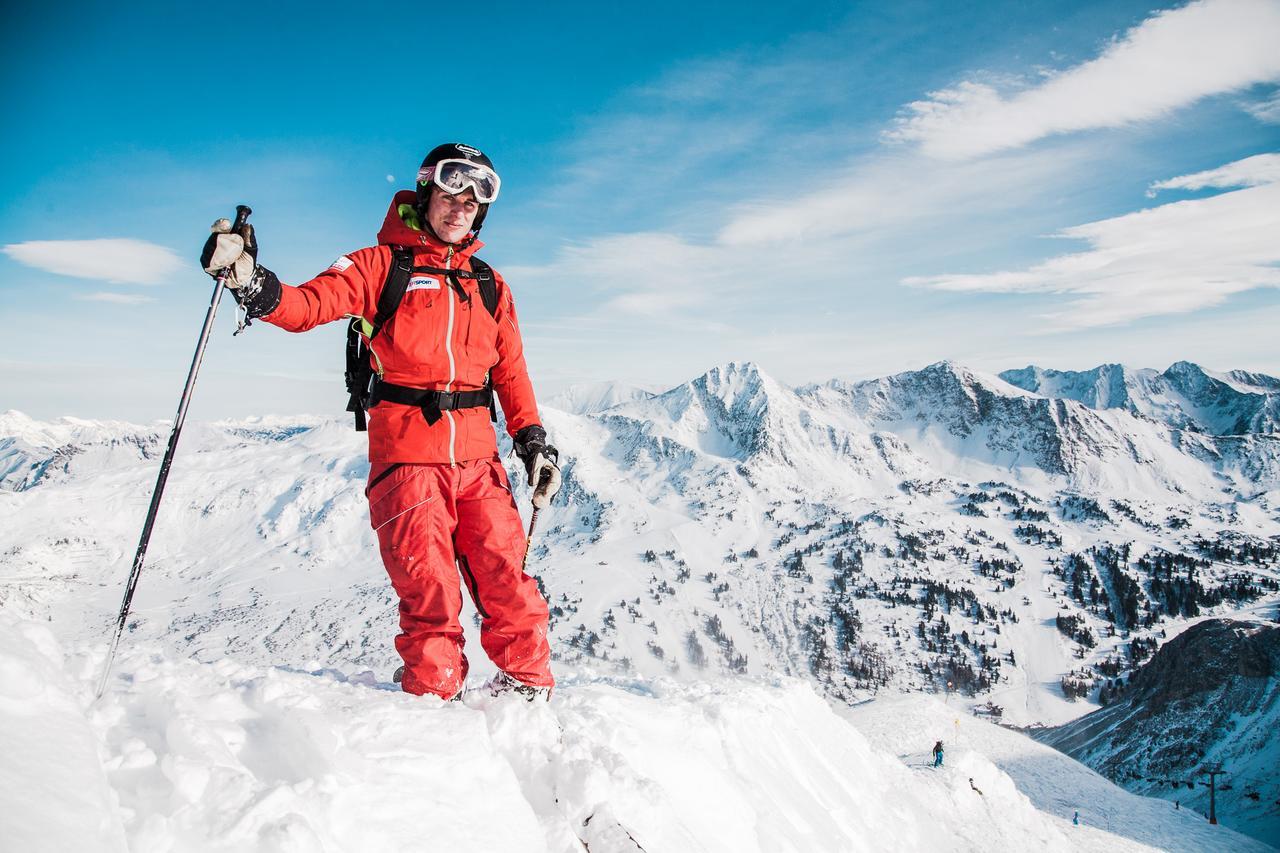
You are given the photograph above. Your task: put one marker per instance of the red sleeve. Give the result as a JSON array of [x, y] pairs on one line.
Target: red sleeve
[[349, 286], [510, 375]]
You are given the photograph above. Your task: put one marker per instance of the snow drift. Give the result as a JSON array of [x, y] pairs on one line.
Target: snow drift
[[182, 755]]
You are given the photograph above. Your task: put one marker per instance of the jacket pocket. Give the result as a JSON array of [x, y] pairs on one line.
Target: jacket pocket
[[416, 338]]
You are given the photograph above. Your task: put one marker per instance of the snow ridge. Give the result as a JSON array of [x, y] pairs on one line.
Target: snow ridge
[[1184, 396], [233, 756]]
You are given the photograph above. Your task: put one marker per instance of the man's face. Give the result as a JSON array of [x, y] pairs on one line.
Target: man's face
[[451, 216]]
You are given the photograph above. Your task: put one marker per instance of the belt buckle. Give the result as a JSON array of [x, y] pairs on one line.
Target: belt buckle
[[448, 400]]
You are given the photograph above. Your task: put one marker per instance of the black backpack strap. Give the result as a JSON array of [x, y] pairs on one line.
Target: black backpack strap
[[359, 371], [431, 402], [481, 272], [356, 375], [488, 285], [489, 296], [393, 289]]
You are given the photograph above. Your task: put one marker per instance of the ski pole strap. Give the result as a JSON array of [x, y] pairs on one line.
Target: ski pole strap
[[432, 403]]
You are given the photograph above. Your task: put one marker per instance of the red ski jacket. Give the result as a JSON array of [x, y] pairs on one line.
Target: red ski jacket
[[434, 340]]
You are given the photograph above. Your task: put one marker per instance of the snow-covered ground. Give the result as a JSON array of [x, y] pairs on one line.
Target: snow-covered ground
[[1052, 782], [182, 755], [727, 557]]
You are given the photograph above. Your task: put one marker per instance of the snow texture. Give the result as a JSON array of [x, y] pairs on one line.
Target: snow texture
[[183, 755]]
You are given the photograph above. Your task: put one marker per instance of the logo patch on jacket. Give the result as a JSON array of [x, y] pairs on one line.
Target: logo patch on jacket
[[342, 264], [423, 282]]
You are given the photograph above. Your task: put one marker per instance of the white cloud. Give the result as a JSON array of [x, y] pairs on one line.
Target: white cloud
[[116, 298], [647, 274], [1170, 259], [118, 261], [889, 192], [1249, 172], [707, 128], [757, 241], [1171, 60], [1266, 110], [852, 235]]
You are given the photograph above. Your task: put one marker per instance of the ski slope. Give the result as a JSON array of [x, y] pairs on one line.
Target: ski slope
[[1050, 781], [184, 755]]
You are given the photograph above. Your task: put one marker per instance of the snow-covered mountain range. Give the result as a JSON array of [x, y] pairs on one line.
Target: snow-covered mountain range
[[907, 531], [901, 532], [1017, 546], [1185, 396]]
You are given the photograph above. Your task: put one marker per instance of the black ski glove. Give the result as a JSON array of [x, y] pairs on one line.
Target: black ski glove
[[254, 286], [540, 463]]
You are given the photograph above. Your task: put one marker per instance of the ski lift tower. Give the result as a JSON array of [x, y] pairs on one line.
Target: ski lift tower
[[1213, 771]]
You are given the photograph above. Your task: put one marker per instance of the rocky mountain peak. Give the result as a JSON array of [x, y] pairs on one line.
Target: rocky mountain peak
[[1207, 656], [1184, 396]]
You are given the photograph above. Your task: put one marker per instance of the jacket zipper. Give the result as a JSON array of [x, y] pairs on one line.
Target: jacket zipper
[[448, 347]]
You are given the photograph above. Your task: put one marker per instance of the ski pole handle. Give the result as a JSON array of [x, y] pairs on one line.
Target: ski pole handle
[[243, 212], [239, 226]]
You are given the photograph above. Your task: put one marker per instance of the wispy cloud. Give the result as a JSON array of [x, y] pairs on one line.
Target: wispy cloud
[[1169, 61], [1249, 172], [747, 233], [887, 192], [639, 283], [1266, 110], [115, 298], [119, 261], [1170, 259], [707, 129]]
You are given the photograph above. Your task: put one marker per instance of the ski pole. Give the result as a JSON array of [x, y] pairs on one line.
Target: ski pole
[[533, 520], [242, 218]]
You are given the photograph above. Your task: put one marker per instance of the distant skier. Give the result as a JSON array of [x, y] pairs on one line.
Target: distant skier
[[937, 754], [1076, 818], [438, 494], [975, 787]]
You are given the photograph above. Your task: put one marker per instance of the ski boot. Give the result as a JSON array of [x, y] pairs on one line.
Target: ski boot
[[502, 684], [398, 677]]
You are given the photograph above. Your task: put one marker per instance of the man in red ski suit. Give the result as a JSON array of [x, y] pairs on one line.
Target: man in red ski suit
[[438, 495]]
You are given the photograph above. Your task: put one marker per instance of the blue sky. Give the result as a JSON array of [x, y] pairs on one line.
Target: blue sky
[[835, 189]]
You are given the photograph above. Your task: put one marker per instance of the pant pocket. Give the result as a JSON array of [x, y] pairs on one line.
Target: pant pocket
[[396, 490], [498, 477]]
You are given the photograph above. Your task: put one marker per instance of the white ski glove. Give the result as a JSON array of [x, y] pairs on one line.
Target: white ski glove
[[540, 463], [254, 287], [545, 479], [224, 250]]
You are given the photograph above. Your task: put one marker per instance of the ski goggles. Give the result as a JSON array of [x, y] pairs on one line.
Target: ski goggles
[[455, 176]]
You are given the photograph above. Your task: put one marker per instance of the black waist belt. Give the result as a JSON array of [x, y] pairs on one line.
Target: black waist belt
[[431, 402]]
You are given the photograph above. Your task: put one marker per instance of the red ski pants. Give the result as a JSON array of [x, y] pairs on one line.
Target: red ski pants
[[434, 521]]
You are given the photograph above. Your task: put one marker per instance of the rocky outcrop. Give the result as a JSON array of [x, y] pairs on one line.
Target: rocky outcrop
[[1210, 696]]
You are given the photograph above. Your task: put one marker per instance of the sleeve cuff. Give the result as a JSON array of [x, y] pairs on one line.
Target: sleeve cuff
[[264, 294]]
